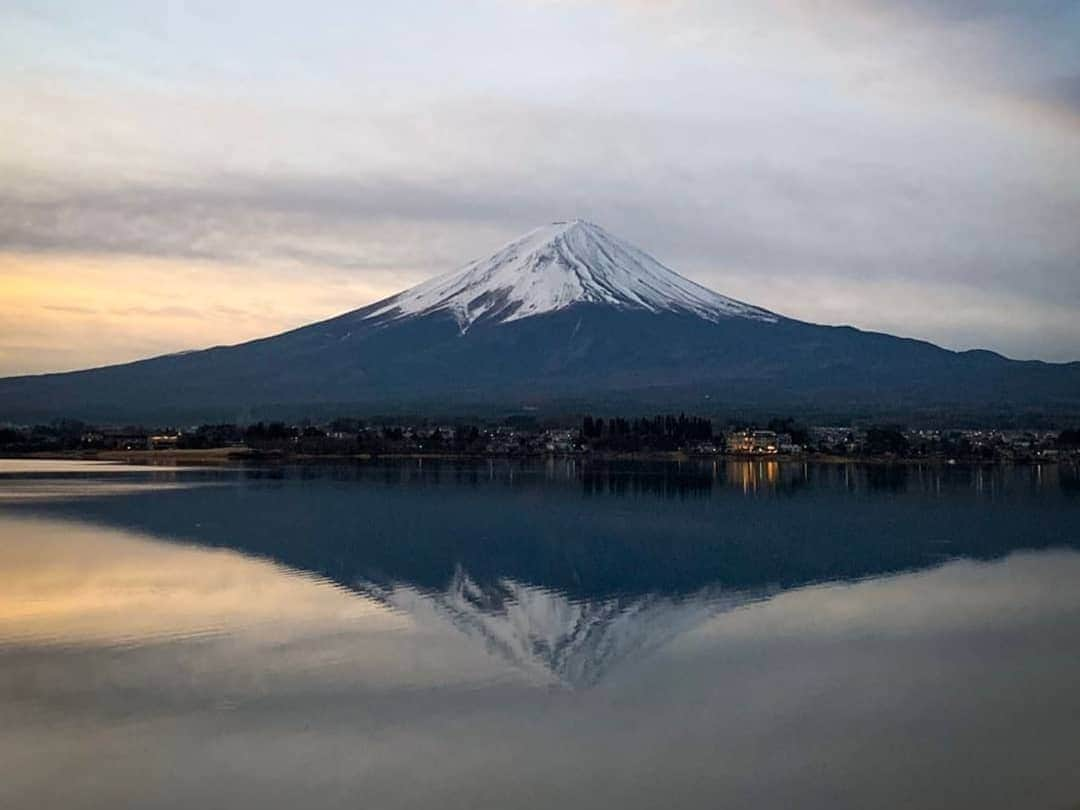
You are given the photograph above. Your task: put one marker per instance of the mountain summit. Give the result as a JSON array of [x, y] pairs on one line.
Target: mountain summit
[[569, 317], [556, 266]]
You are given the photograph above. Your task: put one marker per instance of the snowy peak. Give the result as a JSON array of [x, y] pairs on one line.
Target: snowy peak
[[556, 266]]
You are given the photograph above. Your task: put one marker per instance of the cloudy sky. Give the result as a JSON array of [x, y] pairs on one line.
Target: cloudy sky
[[178, 175]]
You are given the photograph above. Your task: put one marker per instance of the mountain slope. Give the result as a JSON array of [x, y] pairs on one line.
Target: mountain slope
[[565, 314]]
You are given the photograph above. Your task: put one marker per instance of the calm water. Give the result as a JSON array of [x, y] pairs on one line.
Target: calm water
[[557, 635]]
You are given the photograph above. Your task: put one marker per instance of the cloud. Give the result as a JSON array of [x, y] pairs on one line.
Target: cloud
[[126, 308], [931, 150], [799, 202], [1064, 91], [72, 310]]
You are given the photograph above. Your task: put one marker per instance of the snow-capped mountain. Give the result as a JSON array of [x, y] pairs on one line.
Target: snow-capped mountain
[[569, 317], [555, 267]]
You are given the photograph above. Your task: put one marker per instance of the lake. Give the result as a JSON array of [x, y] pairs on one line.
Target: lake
[[539, 635]]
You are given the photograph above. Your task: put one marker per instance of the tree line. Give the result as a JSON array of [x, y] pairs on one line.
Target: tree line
[[661, 432]]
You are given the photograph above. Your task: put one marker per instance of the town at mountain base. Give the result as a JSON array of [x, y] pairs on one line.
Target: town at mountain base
[[568, 316]]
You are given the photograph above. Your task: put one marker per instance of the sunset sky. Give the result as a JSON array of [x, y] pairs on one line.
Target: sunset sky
[[179, 175]]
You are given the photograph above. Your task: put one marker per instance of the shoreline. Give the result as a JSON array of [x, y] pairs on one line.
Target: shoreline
[[245, 455]]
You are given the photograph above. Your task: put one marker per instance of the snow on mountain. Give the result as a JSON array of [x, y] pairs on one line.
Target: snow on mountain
[[558, 265], [555, 640]]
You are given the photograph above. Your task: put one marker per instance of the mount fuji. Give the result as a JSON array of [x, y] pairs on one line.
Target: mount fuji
[[566, 316]]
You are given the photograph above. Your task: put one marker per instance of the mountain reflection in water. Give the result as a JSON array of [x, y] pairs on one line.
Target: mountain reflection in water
[[566, 569], [592, 531], [560, 634]]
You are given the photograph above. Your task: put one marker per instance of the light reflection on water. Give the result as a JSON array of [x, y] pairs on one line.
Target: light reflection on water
[[54, 467], [64, 583], [554, 635], [51, 479]]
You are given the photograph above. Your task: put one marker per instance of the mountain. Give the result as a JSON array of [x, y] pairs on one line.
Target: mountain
[[566, 316]]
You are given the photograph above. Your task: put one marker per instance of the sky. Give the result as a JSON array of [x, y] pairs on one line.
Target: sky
[[180, 175]]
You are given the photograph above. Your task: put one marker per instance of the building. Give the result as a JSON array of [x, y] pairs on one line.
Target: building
[[753, 443]]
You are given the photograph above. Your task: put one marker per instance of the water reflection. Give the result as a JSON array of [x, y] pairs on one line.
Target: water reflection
[[51, 479], [553, 639], [702, 478], [596, 532], [692, 479], [64, 583], [489, 635], [567, 570], [68, 585], [672, 480]]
